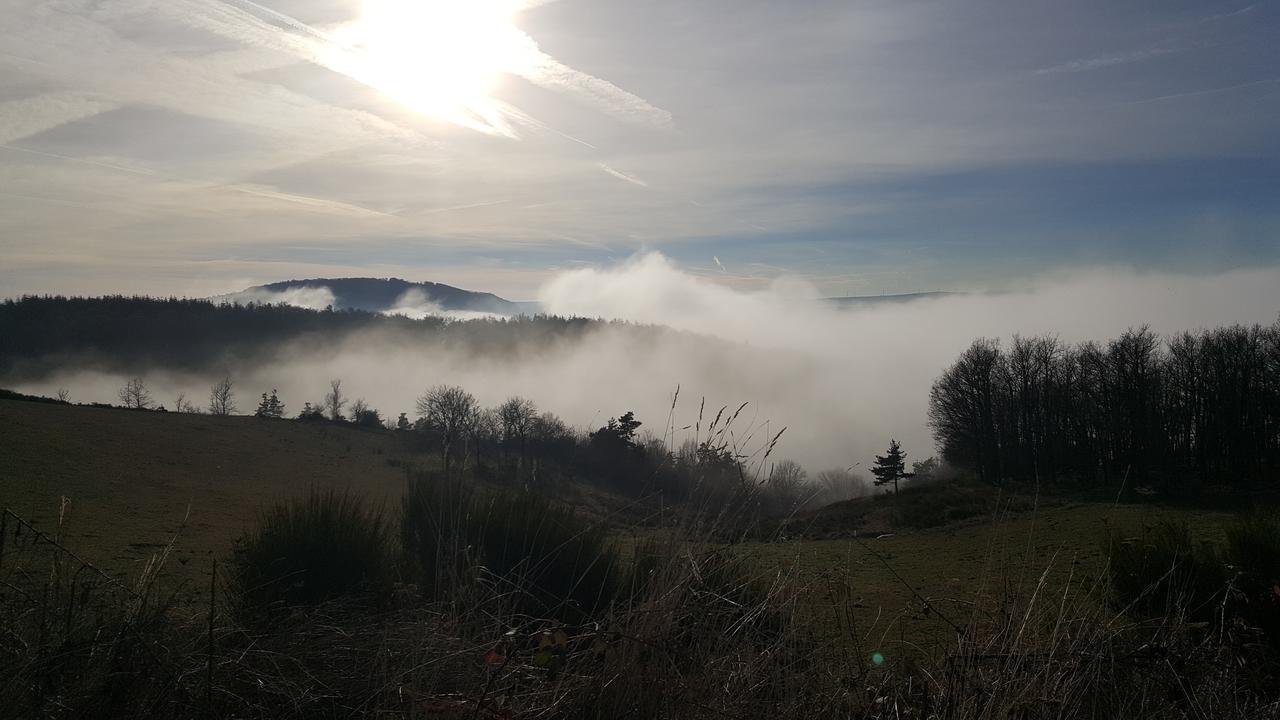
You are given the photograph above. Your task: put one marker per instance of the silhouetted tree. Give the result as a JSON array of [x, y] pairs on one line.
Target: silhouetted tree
[[135, 395], [785, 487], [183, 405], [403, 424], [485, 430], [516, 417], [335, 400], [311, 413], [1205, 407], [270, 407], [613, 454], [890, 467], [222, 397], [449, 411], [364, 415], [924, 470]]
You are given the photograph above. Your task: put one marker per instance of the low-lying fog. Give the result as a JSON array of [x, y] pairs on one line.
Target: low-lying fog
[[843, 381]]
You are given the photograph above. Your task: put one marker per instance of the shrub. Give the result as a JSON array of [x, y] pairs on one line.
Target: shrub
[[542, 557], [1253, 547], [310, 549], [433, 518], [1165, 573]]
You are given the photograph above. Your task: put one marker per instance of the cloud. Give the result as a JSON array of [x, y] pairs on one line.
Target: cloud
[[857, 144], [846, 380], [414, 304], [623, 176], [34, 115], [842, 381], [311, 298], [551, 73], [1098, 62]]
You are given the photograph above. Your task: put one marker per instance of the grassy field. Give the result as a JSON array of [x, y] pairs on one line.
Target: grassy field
[[900, 590], [131, 480], [851, 624]]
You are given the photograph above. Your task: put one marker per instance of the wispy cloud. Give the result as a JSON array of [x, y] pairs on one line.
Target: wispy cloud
[[1210, 91], [551, 73], [34, 115], [623, 176], [1098, 62], [313, 203]]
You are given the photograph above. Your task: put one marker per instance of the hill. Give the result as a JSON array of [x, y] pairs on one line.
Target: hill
[[379, 295], [129, 478]]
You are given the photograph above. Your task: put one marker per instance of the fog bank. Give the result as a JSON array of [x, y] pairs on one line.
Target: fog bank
[[843, 380]]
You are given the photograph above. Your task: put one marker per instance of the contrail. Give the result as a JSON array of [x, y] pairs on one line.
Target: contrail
[[623, 176], [82, 161]]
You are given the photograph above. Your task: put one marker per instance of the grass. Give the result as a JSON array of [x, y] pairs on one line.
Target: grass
[[309, 549], [133, 480], [999, 615], [963, 568]]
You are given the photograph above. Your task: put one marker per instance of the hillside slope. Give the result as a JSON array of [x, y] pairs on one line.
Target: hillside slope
[[129, 478]]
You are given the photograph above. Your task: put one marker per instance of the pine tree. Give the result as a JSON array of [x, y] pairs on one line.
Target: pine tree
[[890, 467], [275, 408]]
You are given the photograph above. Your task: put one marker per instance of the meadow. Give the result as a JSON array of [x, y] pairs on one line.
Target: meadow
[[117, 487]]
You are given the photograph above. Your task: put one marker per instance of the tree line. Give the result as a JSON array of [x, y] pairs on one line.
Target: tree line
[[1179, 412], [515, 439], [40, 335]]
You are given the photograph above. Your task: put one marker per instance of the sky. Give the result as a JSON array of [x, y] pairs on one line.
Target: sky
[[196, 147]]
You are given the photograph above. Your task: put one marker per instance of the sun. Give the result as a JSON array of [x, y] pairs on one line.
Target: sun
[[442, 58]]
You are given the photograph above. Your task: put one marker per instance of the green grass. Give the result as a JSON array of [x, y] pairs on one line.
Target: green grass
[[963, 569], [131, 478]]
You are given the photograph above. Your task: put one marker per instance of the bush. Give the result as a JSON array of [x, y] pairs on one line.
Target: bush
[[542, 557], [311, 549], [1253, 547], [433, 518], [1165, 573]]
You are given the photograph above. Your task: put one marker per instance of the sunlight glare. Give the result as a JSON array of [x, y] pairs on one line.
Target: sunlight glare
[[442, 58]]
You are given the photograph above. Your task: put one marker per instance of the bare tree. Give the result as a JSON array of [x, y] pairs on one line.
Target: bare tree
[[785, 488], [64, 395], [486, 428], [450, 411], [840, 484], [183, 405], [334, 400], [135, 395], [222, 398], [516, 416], [358, 408]]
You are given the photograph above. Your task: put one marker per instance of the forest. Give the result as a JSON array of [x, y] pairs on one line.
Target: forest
[[1180, 413], [132, 332]]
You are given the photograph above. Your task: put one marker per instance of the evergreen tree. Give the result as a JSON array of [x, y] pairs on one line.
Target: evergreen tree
[[274, 407], [890, 467], [270, 407], [403, 424]]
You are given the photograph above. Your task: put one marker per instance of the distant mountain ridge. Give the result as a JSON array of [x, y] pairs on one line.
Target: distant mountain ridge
[[382, 294], [885, 299]]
